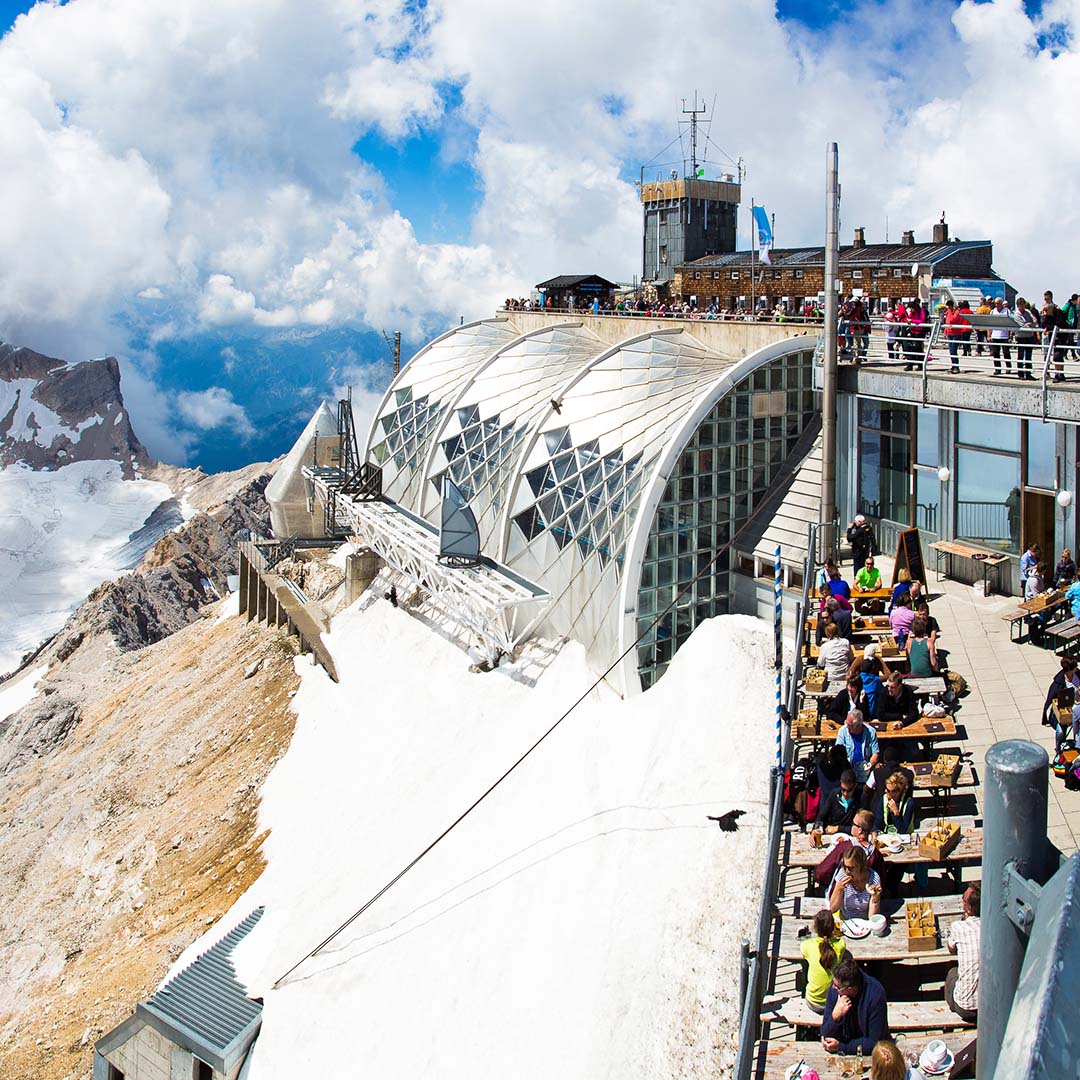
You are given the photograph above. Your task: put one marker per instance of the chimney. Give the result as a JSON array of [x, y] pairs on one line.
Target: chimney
[[860, 237], [941, 231], [908, 239]]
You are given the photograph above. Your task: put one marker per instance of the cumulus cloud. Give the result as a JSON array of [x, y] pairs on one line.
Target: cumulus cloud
[[192, 152], [214, 408]]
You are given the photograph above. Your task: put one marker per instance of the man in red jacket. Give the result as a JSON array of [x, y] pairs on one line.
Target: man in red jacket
[[957, 329]]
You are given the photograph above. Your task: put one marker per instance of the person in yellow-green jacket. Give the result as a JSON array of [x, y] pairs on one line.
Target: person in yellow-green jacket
[[821, 950]]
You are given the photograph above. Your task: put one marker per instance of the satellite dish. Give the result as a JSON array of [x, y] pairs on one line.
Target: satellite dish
[[914, 269]]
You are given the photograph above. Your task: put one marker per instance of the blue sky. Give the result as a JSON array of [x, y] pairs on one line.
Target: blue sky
[[239, 220]]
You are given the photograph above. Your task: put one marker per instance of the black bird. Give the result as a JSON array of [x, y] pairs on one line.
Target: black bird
[[728, 822], [556, 406]]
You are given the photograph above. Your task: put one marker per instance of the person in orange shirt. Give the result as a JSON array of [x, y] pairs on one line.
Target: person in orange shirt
[[956, 327]]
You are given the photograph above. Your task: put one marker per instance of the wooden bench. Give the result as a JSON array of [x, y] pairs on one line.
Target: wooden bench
[[806, 907], [1064, 634], [1015, 619], [903, 1015], [944, 549]]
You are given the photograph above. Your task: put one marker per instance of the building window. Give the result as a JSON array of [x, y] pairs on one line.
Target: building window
[[115, 1073], [200, 1070], [663, 253], [697, 275], [884, 461], [723, 474], [881, 273], [716, 275], [798, 273], [988, 496], [734, 275], [856, 274], [1040, 467], [897, 272]]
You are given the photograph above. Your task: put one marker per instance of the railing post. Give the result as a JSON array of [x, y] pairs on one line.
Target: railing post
[[1014, 836], [744, 973]]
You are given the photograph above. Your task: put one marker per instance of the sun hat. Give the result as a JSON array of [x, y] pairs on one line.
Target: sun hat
[[936, 1058]]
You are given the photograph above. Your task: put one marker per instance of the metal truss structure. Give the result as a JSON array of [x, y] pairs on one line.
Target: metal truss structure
[[487, 601]]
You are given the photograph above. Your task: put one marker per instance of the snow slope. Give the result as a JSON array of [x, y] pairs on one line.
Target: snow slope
[[62, 533], [583, 922]]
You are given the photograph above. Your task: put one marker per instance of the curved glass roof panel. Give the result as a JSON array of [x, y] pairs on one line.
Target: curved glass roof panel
[[400, 438], [479, 444]]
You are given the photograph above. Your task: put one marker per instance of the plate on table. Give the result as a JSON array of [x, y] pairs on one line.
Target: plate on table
[[855, 928], [895, 846]]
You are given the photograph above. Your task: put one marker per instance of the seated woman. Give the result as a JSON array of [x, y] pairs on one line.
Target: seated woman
[[1065, 572], [921, 651], [826, 572], [839, 587], [1035, 583], [835, 656], [821, 951], [856, 889], [901, 588], [896, 810], [1066, 687], [901, 617]]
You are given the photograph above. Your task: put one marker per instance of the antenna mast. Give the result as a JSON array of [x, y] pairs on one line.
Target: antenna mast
[[693, 113]]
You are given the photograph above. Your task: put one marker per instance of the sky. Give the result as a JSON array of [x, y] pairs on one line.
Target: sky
[[219, 193]]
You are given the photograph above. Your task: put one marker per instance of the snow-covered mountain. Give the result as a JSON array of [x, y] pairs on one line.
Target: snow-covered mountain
[[77, 506]]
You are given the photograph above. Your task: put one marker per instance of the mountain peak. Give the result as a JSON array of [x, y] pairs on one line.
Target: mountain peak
[[53, 413]]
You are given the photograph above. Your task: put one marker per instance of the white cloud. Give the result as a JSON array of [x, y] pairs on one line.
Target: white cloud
[[197, 147], [214, 408]]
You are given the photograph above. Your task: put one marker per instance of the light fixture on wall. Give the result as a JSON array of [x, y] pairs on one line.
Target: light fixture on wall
[[1064, 499], [944, 474]]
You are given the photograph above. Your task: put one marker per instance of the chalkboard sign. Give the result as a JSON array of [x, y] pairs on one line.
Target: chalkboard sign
[[909, 556]]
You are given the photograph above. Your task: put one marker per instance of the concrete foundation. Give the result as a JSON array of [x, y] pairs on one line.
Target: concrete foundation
[[361, 569]]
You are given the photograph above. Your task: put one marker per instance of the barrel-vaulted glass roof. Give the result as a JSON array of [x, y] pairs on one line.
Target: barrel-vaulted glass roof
[[563, 443]]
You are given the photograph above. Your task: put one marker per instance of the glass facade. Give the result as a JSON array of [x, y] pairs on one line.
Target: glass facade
[[1040, 469], [988, 500], [885, 461], [722, 475]]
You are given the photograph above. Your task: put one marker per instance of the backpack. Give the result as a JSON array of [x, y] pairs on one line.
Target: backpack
[[1072, 776], [1064, 759], [957, 682]]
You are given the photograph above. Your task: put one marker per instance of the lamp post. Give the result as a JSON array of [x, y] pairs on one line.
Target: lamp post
[[1064, 500]]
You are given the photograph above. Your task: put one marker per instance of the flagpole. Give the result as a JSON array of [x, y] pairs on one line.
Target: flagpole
[[753, 225]]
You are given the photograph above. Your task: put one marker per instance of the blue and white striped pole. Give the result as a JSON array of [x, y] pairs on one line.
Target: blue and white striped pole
[[778, 633]]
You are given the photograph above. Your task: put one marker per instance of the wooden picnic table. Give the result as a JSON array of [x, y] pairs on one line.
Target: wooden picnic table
[[925, 729], [796, 849], [985, 557], [773, 1059], [1046, 601], [893, 946], [806, 907]]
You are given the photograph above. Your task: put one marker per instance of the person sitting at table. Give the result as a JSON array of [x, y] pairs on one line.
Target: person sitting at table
[[856, 892], [1068, 678], [860, 742], [823, 575], [872, 684], [877, 662], [898, 703], [896, 810], [836, 813], [901, 588], [835, 655], [1034, 584], [840, 615], [962, 981], [933, 627], [901, 617], [1072, 598], [838, 586], [830, 766], [869, 576], [1065, 571], [853, 696], [888, 1063], [821, 952], [889, 763], [920, 650], [856, 1014], [862, 836]]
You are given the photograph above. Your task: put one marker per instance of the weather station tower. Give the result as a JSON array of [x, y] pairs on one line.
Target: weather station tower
[[685, 214]]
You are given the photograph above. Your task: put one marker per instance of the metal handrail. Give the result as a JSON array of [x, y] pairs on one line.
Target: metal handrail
[[695, 316], [755, 962]]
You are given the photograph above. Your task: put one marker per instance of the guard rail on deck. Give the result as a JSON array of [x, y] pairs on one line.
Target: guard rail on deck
[[755, 961]]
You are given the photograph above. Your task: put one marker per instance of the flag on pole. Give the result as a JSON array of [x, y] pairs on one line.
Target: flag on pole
[[764, 231]]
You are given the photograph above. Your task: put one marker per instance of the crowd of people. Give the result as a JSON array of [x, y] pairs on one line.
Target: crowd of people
[[663, 308], [858, 787]]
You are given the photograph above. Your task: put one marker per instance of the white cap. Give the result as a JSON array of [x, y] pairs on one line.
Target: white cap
[[859, 519]]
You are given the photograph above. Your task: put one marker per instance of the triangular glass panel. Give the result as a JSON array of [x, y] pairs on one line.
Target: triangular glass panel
[[592, 476], [561, 533], [380, 452], [452, 447], [403, 395], [557, 440], [536, 479], [612, 462], [529, 523], [550, 508], [471, 437], [584, 547], [589, 451], [564, 465], [468, 415], [577, 519]]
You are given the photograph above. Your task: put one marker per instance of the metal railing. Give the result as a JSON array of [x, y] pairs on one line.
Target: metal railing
[[695, 315], [755, 959]]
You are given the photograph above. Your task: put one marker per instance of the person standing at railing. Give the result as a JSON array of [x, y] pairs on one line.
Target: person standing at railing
[[980, 335], [916, 330], [1053, 318], [956, 329], [1025, 337], [892, 329], [860, 329], [965, 309], [999, 340]]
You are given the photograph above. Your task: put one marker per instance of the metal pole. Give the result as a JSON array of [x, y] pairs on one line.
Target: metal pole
[[828, 395], [397, 353], [744, 973], [753, 298], [778, 635], [1014, 836]]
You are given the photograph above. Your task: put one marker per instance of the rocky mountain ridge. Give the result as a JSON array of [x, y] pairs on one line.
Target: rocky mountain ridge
[[53, 412]]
